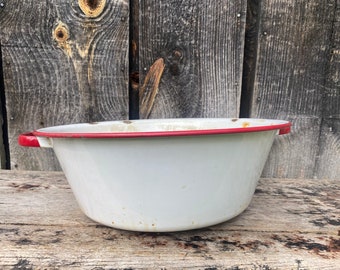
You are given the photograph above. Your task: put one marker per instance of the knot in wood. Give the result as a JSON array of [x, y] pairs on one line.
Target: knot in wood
[[92, 8], [61, 33], [175, 60], [177, 54]]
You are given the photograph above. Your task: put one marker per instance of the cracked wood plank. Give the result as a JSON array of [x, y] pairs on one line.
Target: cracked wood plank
[[149, 89], [290, 224]]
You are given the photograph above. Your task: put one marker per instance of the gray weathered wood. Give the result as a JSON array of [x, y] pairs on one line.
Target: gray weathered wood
[[290, 82], [328, 161], [64, 62], [201, 43], [290, 224]]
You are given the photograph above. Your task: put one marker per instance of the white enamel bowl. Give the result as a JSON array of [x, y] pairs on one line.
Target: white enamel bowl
[[162, 175]]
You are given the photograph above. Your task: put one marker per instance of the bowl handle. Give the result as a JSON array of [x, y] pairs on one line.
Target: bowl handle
[[28, 139], [285, 129]]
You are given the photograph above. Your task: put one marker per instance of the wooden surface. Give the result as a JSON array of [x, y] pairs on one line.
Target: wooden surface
[[330, 126], [202, 45], [63, 62], [296, 78], [290, 224]]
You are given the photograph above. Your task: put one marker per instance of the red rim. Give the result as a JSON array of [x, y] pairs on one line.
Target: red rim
[[283, 129]]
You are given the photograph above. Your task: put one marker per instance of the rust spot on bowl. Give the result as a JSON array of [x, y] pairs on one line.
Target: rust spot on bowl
[[245, 124]]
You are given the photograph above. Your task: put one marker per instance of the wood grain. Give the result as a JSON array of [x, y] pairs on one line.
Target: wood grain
[[292, 56], [201, 43], [328, 161], [290, 224], [62, 64]]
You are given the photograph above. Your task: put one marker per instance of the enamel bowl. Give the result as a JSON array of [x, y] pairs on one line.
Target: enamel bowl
[[162, 175]]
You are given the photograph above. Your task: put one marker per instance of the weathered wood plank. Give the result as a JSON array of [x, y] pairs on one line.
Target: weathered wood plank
[[64, 62], [293, 49], [104, 248], [201, 43], [290, 224], [328, 161]]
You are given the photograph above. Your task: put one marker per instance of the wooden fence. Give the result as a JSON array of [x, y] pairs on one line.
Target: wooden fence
[[78, 61]]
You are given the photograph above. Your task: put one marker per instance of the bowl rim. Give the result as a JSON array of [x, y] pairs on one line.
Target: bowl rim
[[282, 126]]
